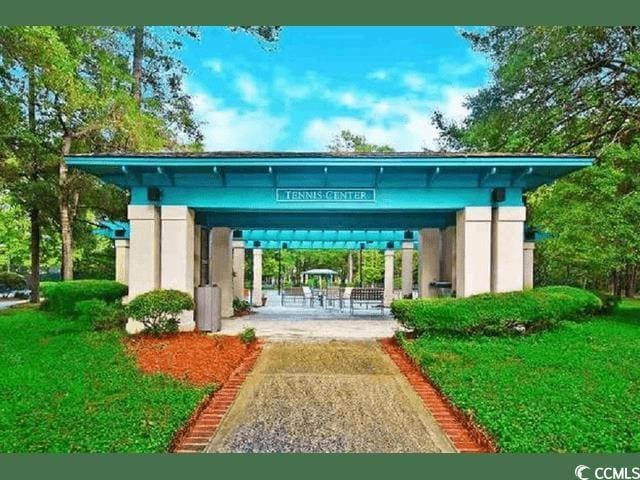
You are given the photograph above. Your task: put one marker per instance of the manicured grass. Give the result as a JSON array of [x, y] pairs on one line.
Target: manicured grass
[[65, 388], [572, 389]]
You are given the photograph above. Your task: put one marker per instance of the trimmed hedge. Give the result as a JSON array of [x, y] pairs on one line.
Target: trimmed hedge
[[497, 313], [159, 310], [61, 297], [12, 281], [100, 314]]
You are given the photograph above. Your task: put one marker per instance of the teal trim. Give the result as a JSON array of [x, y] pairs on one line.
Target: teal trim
[[326, 235], [328, 245]]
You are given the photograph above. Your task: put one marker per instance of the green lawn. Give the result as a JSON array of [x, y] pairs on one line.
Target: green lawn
[[573, 389], [65, 388]]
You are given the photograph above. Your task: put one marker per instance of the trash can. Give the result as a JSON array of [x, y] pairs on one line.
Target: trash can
[[208, 308], [440, 289]]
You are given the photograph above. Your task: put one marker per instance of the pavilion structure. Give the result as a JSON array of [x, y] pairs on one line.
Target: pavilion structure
[[464, 212]]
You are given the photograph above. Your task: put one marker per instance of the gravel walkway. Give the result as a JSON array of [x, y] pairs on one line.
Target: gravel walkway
[[327, 397]]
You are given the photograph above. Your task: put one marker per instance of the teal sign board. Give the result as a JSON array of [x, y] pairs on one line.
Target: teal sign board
[[325, 195]]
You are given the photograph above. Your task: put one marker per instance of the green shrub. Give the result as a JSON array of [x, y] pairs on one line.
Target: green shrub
[[100, 314], [12, 281], [609, 301], [62, 297], [159, 310], [497, 313], [248, 335], [240, 306]]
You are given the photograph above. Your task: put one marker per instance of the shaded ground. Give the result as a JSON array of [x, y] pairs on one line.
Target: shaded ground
[[327, 397], [197, 358], [295, 321]]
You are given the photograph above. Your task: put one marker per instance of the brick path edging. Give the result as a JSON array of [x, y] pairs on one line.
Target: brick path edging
[[466, 436], [197, 432]]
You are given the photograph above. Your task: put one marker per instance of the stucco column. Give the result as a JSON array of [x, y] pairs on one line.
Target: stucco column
[[507, 253], [197, 256], [407, 269], [429, 267], [221, 265], [238, 269], [257, 277], [388, 277], [122, 260], [144, 254], [448, 263], [177, 255], [528, 264], [473, 251]]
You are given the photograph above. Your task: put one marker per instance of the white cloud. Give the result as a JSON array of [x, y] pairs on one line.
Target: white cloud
[[412, 133], [414, 81], [378, 75], [213, 64], [227, 128], [249, 90], [453, 106]]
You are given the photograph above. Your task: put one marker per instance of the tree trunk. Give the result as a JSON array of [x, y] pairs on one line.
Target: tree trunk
[[65, 217], [34, 213], [34, 216], [138, 55]]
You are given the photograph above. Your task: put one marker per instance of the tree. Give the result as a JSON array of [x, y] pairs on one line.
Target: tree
[[567, 90], [346, 141]]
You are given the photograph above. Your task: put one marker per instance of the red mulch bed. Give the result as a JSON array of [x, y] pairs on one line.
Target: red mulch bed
[[195, 357]]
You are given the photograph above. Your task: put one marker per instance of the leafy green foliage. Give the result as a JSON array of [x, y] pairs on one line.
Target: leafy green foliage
[[62, 297], [496, 313], [11, 281], [247, 335], [69, 389], [240, 306], [572, 389], [568, 90], [100, 314], [159, 310], [346, 141], [609, 303]]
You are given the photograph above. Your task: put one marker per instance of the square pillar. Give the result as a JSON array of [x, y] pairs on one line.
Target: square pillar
[[507, 240], [122, 260], [221, 267], [144, 254], [448, 264], [177, 255], [238, 269], [429, 267], [407, 269], [257, 277], [197, 256], [528, 264], [473, 251], [389, 257]]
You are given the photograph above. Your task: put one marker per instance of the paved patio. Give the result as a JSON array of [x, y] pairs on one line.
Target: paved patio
[[327, 397], [277, 322]]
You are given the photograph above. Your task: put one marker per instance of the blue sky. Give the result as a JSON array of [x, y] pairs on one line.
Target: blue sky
[[382, 82]]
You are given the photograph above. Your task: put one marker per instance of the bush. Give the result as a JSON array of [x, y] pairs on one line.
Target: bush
[[100, 314], [12, 281], [609, 302], [248, 335], [159, 310], [62, 297], [240, 306], [497, 313]]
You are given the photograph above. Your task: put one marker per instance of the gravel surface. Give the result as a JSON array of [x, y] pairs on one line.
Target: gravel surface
[[327, 397]]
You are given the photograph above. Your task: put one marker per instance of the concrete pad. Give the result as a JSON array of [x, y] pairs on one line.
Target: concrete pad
[[327, 397]]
